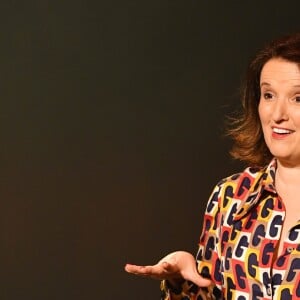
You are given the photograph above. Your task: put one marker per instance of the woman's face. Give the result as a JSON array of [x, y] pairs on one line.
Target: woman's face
[[279, 109]]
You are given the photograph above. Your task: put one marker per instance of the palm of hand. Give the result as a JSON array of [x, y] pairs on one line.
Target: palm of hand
[[174, 266]]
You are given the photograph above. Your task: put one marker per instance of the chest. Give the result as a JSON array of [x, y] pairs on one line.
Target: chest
[[291, 203], [259, 250]]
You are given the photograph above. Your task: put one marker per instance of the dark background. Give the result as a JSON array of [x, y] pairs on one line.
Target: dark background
[[111, 128]]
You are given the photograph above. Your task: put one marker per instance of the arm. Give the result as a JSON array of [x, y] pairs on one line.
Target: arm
[[179, 271], [207, 258], [209, 251]]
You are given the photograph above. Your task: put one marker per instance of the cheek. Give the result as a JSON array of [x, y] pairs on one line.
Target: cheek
[[296, 119], [264, 116], [261, 113], [264, 112]]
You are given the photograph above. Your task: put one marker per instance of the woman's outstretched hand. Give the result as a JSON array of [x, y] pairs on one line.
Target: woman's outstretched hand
[[176, 266]]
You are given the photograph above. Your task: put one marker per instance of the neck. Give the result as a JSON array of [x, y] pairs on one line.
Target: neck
[[287, 173]]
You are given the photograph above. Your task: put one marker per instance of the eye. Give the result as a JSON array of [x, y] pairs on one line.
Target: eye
[[267, 95], [297, 99]]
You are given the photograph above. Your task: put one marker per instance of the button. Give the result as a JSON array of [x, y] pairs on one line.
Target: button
[[269, 291], [289, 249]]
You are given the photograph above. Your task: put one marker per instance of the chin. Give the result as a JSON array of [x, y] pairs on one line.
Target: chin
[[288, 160]]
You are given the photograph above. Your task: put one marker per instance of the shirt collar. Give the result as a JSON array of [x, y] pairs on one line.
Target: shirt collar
[[262, 180]]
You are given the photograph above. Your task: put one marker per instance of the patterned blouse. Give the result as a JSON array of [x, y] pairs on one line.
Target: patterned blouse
[[237, 250]]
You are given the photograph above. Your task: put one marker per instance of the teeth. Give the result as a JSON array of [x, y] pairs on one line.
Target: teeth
[[281, 131]]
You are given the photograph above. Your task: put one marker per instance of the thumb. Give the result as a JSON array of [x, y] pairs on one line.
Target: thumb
[[199, 280]]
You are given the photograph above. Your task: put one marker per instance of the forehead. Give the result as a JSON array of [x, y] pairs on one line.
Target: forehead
[[280, 70]]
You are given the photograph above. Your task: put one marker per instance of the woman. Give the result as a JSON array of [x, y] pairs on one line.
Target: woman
[[250, 244]]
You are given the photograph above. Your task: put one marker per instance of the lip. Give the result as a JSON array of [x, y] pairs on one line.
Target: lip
[[281, 132]]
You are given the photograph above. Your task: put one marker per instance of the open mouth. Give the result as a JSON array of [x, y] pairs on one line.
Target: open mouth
[[281, 131]]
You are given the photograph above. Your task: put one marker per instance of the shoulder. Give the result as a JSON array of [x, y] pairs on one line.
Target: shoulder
[[238, 185], [242, 180]]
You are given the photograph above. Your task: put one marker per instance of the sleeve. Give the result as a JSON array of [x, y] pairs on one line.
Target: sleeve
[[207, 258]]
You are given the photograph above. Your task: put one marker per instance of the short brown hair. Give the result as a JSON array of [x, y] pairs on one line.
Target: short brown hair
[[249, 144]]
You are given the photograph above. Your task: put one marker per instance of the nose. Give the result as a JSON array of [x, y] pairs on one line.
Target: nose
[[280, 111]]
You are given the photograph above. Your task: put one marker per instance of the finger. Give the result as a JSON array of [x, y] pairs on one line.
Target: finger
[[195, 277], [201, 281], [135, 269], [151, 271]]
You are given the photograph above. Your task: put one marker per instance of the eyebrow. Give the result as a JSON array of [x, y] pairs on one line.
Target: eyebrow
[[268, 84], [265, 83]]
